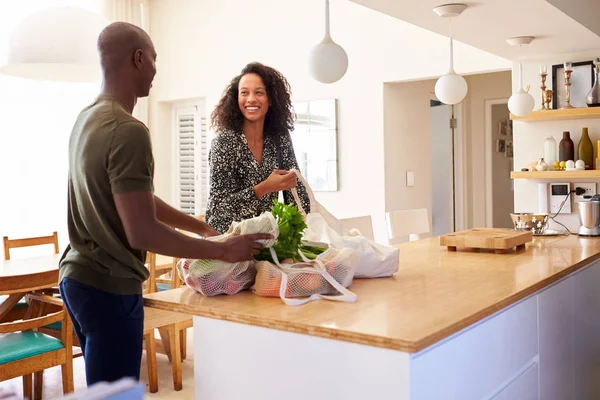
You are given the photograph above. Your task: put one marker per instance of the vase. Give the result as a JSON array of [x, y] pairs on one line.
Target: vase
[[550, 151], [593, 97], [566, 149], [541, 165]]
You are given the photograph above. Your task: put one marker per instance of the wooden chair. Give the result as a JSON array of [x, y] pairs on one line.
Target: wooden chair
[[26, 242], [157, 283], [172, 344], [23, 349], [411, 223], [363, 224], [158, 266]]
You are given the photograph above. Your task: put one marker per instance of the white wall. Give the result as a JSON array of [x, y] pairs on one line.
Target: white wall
[[36, 119], [529, 137], [407, 129], [202, 44]]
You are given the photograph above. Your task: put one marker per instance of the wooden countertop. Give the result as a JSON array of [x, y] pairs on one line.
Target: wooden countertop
[[434, 294]]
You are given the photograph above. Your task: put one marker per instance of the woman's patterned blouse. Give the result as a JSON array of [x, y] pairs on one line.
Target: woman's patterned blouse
[[234, 172]]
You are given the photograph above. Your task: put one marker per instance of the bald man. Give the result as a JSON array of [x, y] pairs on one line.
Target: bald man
[[114, 217]]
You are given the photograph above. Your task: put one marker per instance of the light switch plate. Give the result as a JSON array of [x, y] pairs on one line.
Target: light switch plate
[[410, 178], [558, 195]]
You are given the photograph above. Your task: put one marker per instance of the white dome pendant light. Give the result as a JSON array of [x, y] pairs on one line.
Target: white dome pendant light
[[451, 88], [328, 62], [56, 44], [521, 103]]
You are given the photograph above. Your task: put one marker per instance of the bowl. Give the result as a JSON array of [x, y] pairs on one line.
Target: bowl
[[536, 223]]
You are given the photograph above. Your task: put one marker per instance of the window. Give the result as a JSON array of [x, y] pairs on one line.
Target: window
[[191, 164]]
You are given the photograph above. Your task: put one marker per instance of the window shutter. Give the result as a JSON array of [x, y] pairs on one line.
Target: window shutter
[[203, 161], [192, 160], [186, 176]]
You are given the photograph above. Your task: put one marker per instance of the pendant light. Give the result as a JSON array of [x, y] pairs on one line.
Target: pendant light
[[328, 62], [451, 88], [521, 103], [56, 44]]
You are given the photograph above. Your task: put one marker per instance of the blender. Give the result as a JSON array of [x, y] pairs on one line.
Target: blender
[[589, 216]]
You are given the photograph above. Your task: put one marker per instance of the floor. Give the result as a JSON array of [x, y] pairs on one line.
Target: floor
[[53, 383]]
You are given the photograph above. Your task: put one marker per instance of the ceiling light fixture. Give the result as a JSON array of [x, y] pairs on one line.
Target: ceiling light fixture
[[521, 103], [328, 61], [451, 88], [56, 44]]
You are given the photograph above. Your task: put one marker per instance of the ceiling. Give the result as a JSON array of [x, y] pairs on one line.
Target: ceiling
[[486, 24]]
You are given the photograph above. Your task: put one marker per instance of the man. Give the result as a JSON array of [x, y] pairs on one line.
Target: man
[[114, 218]]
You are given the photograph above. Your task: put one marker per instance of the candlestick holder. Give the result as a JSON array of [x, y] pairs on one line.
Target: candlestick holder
[[543, 75], [546, 99], [567, 89]]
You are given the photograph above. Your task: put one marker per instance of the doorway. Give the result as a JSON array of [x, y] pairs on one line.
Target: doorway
[[445, 171], [499, 164]]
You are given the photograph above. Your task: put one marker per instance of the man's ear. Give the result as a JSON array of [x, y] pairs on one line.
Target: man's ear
[[138, 57]]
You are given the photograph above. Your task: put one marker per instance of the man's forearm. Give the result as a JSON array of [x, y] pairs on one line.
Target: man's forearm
[[162, 239], [176, 219]]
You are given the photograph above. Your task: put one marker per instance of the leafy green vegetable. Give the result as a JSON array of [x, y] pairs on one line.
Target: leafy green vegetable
[[291, 226]]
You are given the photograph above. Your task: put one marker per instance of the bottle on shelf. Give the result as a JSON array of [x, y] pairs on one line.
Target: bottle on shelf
[[585, 151], [598, 154], [566, 148], [550, 151]]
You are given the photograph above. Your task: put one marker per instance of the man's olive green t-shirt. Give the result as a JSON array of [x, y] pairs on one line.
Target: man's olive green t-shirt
[[109, 153]]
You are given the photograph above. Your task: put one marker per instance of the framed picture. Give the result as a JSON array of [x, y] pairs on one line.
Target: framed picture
[[500, 145], [501, 128], [509, 149], [509, 127], [582, 80]]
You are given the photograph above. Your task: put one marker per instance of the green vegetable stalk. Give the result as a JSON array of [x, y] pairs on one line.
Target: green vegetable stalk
[[291, 226]]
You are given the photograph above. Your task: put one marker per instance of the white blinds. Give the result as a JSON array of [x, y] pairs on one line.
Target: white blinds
[[192, 161]]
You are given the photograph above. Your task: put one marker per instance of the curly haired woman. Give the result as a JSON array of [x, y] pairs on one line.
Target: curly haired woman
[[252, 154]]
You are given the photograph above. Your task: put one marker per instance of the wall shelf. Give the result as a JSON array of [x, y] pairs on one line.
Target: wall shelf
[[562, 175], [559, 115]]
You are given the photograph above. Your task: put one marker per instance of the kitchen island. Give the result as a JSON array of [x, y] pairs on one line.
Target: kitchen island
[[448, 325]]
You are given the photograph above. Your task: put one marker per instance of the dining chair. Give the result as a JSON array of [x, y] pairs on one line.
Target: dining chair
[[32, 241], [363, 224], [411, 223], [157, 283], [24, 351], [172, 324]]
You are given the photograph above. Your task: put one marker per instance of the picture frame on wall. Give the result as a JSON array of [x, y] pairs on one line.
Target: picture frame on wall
[[582, 80], [500, 145], [509, 149]]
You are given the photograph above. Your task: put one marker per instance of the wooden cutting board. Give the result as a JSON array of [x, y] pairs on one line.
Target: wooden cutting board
[[495, 239]]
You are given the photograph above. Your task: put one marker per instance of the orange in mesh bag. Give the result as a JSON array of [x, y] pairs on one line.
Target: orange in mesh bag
[[214, 277], [330, 273]]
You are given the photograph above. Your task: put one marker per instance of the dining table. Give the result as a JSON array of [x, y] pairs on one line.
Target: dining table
[[40, 272]]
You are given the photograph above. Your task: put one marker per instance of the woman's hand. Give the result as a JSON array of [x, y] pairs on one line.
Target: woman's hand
[[208, 232], [278, 180]]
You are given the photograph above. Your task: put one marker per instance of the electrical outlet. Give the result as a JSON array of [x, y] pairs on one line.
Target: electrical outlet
[[590, 190]]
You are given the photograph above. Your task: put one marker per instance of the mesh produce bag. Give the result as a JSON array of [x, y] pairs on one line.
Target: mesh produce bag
[[214, 277], [330, 273]]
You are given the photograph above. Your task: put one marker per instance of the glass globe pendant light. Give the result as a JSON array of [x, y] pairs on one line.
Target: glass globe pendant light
[[521, 103], [328, 61], [451, 88], [56, 44]]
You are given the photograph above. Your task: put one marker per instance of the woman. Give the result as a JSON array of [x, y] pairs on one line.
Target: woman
[[252, 154]]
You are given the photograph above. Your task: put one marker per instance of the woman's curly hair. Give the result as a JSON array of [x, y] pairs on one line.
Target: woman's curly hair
[[280, 116]]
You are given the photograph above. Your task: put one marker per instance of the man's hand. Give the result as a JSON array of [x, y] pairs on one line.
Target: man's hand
[[243, 247]]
